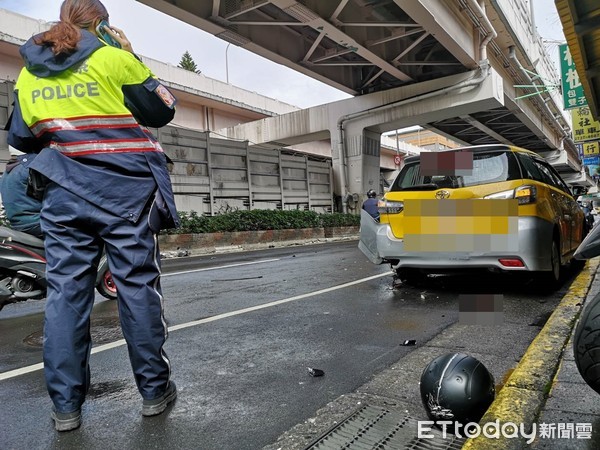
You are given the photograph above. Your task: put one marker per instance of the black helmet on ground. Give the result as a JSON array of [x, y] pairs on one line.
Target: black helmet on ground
[[371, 193], [456, 387]]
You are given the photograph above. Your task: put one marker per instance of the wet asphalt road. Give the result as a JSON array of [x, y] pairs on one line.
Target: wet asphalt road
[[242, 374]]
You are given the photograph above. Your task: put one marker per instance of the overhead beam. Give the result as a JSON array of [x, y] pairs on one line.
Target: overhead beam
[[330, 55], [244, 9], [438, 18], [481, 127], [208, 22], [301, 126], [215, 8], [408, 49], [380, 24], [344, 63], [396, 34], [261, 23], [300, 12], [314, 46], [338, 10]]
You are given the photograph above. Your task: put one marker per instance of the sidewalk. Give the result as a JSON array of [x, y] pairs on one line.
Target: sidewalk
[[571, 402], [546, 389]]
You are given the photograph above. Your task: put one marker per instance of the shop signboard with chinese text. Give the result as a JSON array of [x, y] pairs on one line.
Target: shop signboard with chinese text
[[591, 156], [591, 149], [573, 94], [585, 128]]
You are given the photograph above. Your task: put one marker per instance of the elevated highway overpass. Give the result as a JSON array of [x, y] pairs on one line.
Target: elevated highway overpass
[[457, 67]]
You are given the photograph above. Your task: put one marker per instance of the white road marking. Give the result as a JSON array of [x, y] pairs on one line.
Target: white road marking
[[220, 267], [101, 348]]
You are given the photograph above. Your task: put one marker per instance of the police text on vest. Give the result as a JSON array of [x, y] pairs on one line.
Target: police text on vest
[[70, 90]]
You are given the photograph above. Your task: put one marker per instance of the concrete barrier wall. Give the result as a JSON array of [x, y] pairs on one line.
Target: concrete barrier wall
[[215, 242]]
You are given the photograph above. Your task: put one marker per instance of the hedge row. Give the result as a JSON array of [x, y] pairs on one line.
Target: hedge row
[[260, 219]]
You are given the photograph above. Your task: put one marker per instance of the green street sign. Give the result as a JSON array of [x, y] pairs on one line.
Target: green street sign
[[573, 94]]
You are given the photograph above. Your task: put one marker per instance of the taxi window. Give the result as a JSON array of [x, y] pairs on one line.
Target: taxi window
[[409, 176], [531, 170], [559, 180], [550, 177], [488, 167]]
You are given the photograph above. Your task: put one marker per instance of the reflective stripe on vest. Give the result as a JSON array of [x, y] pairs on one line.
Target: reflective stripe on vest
[[106, 146], [83, 123]]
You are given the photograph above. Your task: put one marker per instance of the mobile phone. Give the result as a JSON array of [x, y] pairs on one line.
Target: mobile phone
[[104, 34]]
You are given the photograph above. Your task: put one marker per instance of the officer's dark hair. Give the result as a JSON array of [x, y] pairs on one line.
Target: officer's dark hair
[[64, 35]]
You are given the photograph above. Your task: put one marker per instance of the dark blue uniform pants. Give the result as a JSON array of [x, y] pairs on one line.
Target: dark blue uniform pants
[[75, 231]]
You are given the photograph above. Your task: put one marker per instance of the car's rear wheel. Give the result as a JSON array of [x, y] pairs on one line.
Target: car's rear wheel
[[549, 280], [555, 262], [413, 277]]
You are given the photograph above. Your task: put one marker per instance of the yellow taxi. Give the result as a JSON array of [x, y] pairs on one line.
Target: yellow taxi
[[508, 211]]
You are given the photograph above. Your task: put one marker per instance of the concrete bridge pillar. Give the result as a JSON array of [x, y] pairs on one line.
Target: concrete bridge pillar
[[358, 168]]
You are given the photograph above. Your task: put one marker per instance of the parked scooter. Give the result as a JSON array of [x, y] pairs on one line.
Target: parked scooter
[[589, 217], [23, 269]]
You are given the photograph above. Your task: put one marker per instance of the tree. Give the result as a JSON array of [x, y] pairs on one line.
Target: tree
[[187, 63]]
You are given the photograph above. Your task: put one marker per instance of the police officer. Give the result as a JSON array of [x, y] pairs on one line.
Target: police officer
[[84, 106], [370, 204], [22, 211]]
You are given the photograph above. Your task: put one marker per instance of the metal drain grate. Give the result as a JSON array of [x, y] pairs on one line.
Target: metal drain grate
[[102, 331], [378, 428]]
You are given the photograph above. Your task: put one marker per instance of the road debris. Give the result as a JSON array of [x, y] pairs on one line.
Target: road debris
[[315, 372], [239, 279]]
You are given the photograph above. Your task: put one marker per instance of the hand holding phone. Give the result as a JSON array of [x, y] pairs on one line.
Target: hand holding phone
[[103, 30]]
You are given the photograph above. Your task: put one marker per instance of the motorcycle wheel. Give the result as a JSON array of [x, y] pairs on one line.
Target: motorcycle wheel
[[586, 344], [106, 285]]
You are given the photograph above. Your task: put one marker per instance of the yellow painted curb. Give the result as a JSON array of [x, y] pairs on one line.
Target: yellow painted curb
[[521, 398]]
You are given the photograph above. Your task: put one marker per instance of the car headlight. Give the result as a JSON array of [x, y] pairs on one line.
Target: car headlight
[[389, 207]]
